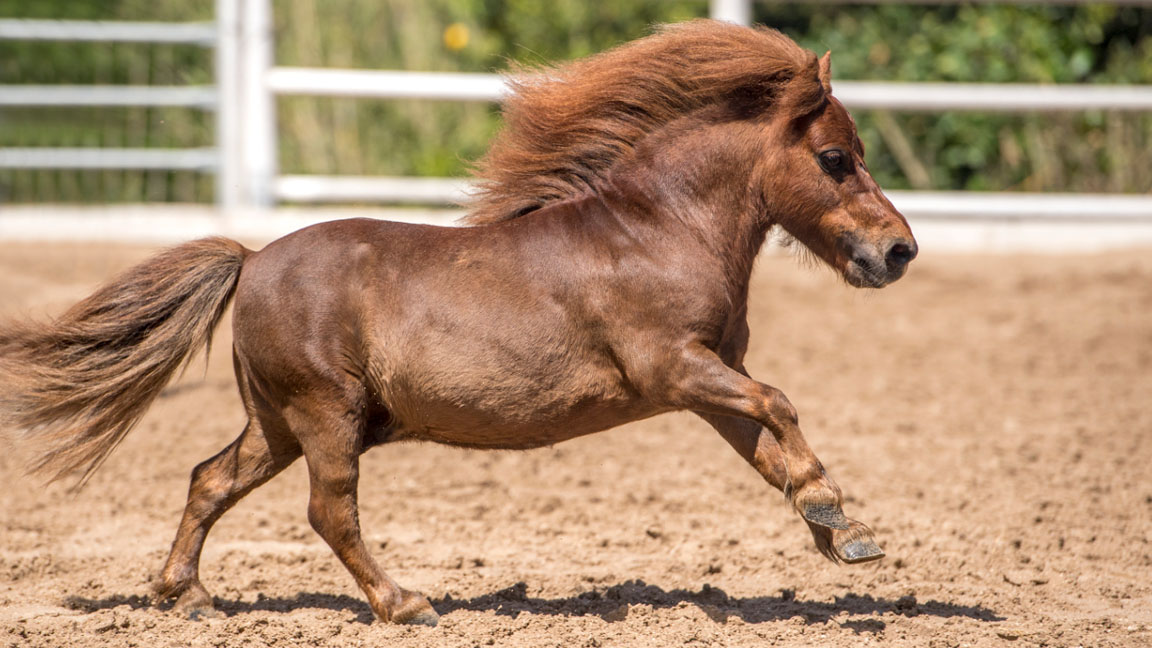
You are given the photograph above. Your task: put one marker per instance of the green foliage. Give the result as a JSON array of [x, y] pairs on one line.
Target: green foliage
[[33, 62], [972, 43], [421, 137], [995, 44]]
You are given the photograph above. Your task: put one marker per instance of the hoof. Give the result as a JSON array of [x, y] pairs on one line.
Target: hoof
[[838, 538], [195, 603], [852, 545], [818, 502], [424, 618], [856, 544], [826, 515], [199, 614], [415, 610], [859, 551]]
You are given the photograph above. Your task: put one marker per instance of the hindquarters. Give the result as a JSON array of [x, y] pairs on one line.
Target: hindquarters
[[300, 306]]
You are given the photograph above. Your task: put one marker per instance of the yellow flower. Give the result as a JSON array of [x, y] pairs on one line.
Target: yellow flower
[[456, 36]]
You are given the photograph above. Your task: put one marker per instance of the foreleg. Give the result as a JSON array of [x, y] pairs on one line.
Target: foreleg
[[741, 409]]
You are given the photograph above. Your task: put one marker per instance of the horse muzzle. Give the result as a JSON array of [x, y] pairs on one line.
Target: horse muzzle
[[872, 265]]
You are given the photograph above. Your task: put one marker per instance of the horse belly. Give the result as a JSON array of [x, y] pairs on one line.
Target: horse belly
[[466, 427], [489, 398]]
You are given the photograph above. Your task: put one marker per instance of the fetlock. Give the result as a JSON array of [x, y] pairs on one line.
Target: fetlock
[[819, 501]]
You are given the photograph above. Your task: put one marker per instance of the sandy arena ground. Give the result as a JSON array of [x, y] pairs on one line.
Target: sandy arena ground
[[989, 416]]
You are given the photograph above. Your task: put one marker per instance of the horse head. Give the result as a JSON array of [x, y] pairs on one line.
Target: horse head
[[700, 106], [814, 184]]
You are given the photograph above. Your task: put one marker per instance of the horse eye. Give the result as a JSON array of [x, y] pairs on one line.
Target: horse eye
[[833, 161]]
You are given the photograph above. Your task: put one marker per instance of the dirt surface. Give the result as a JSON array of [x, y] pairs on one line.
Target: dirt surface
[[989, 416]]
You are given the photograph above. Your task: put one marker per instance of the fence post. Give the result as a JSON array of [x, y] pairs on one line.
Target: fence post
[[736, 11], [229, 191], [258, 119]]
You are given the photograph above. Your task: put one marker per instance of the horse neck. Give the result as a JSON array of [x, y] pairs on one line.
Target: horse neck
[[694, 192]]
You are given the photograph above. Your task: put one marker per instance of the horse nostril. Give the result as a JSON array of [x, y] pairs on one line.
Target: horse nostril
[[900, 254]]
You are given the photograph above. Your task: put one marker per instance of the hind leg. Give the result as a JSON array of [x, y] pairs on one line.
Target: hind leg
[[332, 438], [217, 484]]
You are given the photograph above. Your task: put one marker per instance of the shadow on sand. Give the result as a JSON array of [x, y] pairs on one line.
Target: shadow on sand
[[226, 607], [715, 603], [611, 603]]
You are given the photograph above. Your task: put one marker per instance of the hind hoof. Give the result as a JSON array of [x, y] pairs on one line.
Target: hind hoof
[[424, 618], [415, 610], [196, 604]]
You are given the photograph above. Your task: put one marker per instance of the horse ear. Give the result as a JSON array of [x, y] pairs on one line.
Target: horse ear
[[808, 90], [826, 71]]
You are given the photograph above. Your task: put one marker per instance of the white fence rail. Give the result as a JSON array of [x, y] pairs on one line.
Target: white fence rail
[[203, 97], [385, 84], [351, 189], [1016, 207], [991, 97], [921, 205], [202, 34], [203, 159], [198, 97], [995, 97], [248, 82]]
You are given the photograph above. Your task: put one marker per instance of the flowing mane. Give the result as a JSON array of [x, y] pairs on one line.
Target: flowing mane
[[566, 126]]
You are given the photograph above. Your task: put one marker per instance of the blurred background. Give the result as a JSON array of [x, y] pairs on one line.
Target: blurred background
[[1103, 149]]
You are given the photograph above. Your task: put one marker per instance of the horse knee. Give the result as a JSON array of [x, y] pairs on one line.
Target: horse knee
[[779, 408]]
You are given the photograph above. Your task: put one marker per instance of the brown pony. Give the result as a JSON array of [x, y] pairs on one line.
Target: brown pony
[[604, 280]]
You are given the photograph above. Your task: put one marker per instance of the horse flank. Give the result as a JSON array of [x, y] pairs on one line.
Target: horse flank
[[74, 387], [566, 126]]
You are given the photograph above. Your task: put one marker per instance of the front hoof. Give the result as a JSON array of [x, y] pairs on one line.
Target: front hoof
[[825, 514], [818, 501], [852, 545], [415, 609], [856, 544]]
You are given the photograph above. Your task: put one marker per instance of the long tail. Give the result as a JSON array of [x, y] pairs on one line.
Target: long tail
[[70, 390]]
